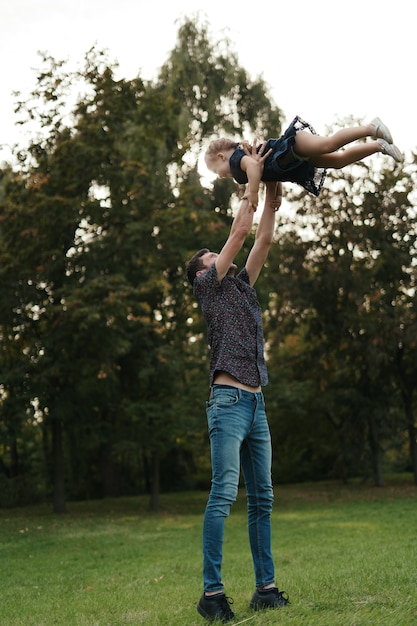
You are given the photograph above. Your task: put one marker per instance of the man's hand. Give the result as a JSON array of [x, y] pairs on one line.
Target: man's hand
[[273, 195], [252, 151], [254, 166], [252, 198]]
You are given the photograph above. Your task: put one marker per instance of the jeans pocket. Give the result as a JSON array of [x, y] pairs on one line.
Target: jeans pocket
[[219, 403], [225, 397]]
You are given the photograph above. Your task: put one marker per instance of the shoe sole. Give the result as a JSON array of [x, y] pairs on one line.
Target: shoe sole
[[211, 618], [202, 612], [391, 150], [259, 604]]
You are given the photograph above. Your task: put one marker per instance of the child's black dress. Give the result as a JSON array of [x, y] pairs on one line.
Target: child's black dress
[[295, 169]]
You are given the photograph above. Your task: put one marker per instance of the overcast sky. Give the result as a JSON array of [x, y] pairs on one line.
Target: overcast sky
[[320, 60]]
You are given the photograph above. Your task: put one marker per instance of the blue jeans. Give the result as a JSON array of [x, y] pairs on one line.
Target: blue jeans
[[239, 438]]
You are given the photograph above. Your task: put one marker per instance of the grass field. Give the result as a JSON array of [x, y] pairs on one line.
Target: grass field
[[346, 556]]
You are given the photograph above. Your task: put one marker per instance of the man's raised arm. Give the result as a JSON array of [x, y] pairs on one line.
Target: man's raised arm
[[241, 227], [265, 231]]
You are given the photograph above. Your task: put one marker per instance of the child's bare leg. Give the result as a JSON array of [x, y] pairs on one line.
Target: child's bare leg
[[354, 154], [309, 145]]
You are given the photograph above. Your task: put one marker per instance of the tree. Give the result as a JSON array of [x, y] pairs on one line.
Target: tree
[[108, 203], [345, 282]]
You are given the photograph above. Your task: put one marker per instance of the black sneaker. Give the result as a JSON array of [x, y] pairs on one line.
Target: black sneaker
[[216, 607], [268, 599]]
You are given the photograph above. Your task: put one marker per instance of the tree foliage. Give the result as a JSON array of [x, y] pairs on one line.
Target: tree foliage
[[99, 353], [344, 285], [103, 349]]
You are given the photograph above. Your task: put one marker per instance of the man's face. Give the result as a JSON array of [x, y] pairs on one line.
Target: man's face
[[209, 258]]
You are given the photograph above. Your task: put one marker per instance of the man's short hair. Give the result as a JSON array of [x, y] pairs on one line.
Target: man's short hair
[[195, 264]]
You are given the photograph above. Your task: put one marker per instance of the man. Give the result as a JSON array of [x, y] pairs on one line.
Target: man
[[237, 422]]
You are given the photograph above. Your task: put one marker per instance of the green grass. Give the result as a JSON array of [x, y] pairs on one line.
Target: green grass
[[346, 555]]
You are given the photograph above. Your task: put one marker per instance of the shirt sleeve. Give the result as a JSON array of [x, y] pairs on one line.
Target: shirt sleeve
[[238, 174], [205, 282], [243, 275]]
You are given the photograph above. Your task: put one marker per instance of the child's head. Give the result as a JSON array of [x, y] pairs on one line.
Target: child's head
[[217, 156]]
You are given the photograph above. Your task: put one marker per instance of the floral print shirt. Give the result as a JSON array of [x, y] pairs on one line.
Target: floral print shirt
[[234, 326]]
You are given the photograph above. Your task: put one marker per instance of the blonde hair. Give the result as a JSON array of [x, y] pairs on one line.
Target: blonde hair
[[218, 145]]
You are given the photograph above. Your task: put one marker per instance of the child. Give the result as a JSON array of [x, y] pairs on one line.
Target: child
[[299, 156]]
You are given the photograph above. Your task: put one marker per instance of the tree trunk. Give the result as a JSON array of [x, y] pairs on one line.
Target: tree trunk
[[407, 395], [146, 472], [412, 436], [58, 467], [109, 478], [376, 453], [154, 502], [14, 458]]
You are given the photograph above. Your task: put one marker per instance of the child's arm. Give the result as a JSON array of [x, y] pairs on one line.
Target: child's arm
[[254, 174], [253, 164]]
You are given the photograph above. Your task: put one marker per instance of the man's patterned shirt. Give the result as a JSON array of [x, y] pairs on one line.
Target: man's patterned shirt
[[234, 326]]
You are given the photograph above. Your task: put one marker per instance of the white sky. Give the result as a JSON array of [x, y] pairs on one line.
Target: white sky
[[322, 59]]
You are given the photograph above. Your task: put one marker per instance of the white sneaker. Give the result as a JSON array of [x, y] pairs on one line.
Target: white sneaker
[[391, 150], [379, 126]]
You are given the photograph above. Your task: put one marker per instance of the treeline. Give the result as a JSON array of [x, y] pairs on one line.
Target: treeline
[[104, 362]]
